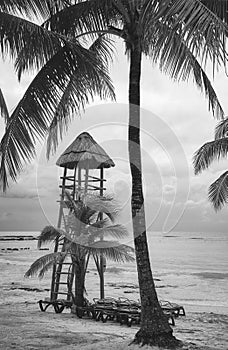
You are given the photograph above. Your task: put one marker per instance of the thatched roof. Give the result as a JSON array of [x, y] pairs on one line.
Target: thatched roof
[[86, 152]]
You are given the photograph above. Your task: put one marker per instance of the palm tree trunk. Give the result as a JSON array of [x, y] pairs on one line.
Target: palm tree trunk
[[79, 282], [154, 328]]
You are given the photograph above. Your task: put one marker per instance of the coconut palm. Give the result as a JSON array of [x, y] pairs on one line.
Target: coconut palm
[[71, 73], [205, 155], [83, 230], [180, 36]]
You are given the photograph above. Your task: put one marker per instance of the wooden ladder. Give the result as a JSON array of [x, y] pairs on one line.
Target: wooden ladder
[[62, 274]]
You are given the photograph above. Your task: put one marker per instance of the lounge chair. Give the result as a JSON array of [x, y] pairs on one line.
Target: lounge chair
[[122, 310], [173, 308], [59, 304]]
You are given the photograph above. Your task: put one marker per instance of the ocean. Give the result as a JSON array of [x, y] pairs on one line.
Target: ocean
[[189, 269]]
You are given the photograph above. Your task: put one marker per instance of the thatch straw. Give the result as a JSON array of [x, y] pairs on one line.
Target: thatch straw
[[85, 152]]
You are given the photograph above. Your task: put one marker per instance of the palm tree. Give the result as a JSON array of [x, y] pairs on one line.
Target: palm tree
[[181, 36], [83, 230], [205, 155]]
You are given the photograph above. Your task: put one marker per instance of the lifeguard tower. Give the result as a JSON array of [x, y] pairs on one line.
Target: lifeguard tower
[[83, 164]]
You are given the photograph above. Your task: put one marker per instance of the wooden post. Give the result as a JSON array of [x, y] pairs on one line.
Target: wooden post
[[86, 178], [62, 199], [79, 180], [74, 188], [54, 276], [102, 294]]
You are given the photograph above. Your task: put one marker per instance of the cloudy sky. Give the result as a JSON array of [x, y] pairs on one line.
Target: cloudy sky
[[175, 123]]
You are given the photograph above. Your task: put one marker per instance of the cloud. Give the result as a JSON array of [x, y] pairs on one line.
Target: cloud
[[25, 187]]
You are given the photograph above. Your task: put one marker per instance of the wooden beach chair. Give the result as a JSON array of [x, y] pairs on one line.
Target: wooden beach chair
[[121, 310], [58, 304], [172, 308], [129, 312]]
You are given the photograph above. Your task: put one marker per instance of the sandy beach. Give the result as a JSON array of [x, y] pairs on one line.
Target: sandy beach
[[198, 282], [23, 326]]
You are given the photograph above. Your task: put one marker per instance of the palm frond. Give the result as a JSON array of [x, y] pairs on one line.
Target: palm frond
[[37, 8], [100, 223], [16, 146], [203, 30], [221, 129], [210, 151], [103, 204], [91, 203], [46, 260], [177, 59], [218, 7], [116, 231], [76, 205], [34, 112], [78, 238], [102, 48], [64, 113], [88, 214], [80, 215], [75, 229], [112, 250], [19, 39], [218, 191], [48, 234], [84, 17], [125, 10], [3, 108], [45, 269]]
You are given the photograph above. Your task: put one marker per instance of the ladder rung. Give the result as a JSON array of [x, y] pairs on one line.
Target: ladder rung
[[96, 187], [61, 283], [64, 273], [71, 178], [92, 180], [65, 263], [97, 178], [65, 293], [67, 186]]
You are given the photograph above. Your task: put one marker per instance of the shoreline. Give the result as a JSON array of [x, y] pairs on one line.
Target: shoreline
[[24, 326]]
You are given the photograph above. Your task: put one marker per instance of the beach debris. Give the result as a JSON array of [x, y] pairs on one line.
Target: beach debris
[[118, 285], [8, 249], [28, 289], [17, 238]]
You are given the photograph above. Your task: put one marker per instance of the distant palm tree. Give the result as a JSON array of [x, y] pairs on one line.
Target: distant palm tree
[[83, 230], [181, 36], [205, 155]]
